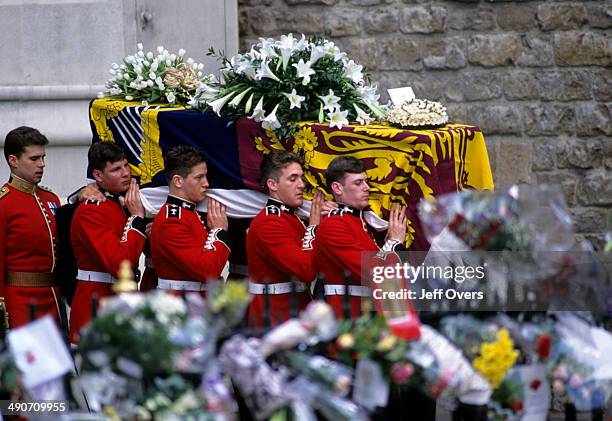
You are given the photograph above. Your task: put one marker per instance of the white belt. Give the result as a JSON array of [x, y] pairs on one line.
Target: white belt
[[93, 276], [274, 289], [178, 285], [353, 290]]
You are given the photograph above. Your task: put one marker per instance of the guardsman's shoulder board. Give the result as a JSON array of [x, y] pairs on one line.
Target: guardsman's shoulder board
[[4, 191], [45, 188], [173, 211], [92, 202], [273, 210]]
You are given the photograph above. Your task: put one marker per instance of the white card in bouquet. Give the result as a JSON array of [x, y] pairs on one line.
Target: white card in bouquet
[[400, 95], [370, 389], [536, 391], [39, 352]]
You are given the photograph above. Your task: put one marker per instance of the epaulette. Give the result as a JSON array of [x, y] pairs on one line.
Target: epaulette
[[4, 191], [45, 188], [173, 211], [337, 212], [92, 202], [273, 210]]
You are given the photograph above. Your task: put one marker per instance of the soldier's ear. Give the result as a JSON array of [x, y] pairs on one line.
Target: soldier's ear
[[12, 161], [97, 175], [272, 185], [336, 188], [177, 181]]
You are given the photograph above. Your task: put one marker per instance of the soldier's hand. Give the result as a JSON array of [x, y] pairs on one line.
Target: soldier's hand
[[397, 223], [315, 209], [133, 203], [216, 216], [91, 192], [328, 206]]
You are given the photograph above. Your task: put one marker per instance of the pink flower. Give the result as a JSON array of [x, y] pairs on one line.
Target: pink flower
[[401, 372]]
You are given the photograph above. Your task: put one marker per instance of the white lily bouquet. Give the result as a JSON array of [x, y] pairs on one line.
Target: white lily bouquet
[[417, 113], [284, 81], [161, 77]]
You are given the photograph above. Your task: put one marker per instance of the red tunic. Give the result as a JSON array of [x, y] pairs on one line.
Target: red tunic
[[342, 239], [102, 236], [279, 247], [182, 248], [27, 244]]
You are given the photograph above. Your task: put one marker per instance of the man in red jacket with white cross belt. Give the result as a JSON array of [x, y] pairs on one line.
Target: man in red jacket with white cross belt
[[28, 230], [105, 233], [279, 245], [185, 253], [343, 237]]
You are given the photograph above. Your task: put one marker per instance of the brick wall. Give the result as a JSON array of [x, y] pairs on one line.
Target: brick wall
[[536, 76]]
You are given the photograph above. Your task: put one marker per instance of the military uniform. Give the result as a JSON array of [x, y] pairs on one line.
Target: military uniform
[[279, 247], [28, 250], [102, 235], [343, 243], [184, 252]]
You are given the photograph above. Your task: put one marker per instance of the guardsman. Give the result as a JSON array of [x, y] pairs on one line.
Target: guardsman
[[186, 253], [343, 237], [105, 233], [279, 245]]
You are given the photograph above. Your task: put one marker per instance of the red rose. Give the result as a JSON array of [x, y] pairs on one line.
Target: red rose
[[535, 384], [516, 406], [543, 346]]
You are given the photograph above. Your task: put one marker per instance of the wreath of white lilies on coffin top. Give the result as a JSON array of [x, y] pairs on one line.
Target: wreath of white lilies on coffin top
[[287, 80]]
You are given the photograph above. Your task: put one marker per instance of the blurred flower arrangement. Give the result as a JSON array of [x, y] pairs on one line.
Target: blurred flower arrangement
[[403, 363], [143, 356], [280, 82], [417, 113], [155, 77]]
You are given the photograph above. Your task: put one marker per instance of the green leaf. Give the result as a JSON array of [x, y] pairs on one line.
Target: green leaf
[[247, 107]]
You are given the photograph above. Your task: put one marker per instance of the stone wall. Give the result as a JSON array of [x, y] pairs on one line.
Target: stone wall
[[536, 76]]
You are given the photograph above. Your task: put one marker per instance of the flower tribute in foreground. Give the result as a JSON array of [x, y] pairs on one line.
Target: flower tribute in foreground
[[163, 77], [417, 113], [279, 82]]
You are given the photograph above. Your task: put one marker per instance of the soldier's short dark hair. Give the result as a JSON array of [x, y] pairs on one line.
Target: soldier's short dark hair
[[340, 167], [20, 138], [273, 163], [102, 152], [181, 159]]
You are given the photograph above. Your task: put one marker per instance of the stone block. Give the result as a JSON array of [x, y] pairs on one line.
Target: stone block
[[255, 2], [361, 49], [549, 86], [580, 153], [380, 20], [445, 54], [495, 119], [593, 119], [514, 164], [566, 180], [322, 2], [366, 2], [423, 19], [543, 155], [561, 16], [257, 22], [474, 86], [343, 21], [588, 220], [520, 18], [602, 84], [548, 119], [398, 54], [595, 188], [535, 51], [472, 19], [520, 84], [298, 21], [576, 84], [456, 113], [493, 50], [600, 15], [574, 48]]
